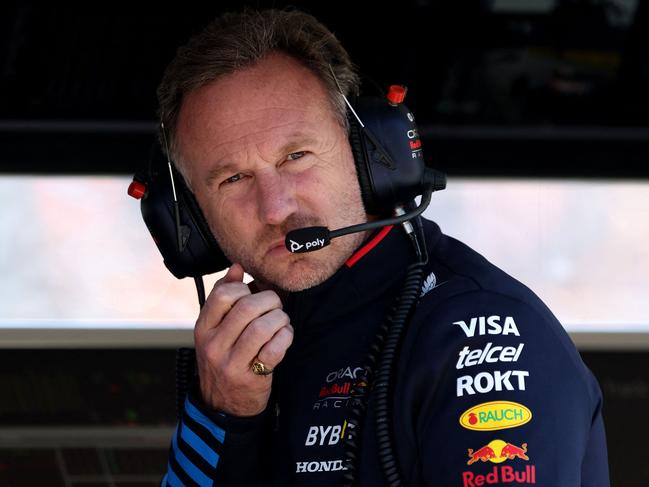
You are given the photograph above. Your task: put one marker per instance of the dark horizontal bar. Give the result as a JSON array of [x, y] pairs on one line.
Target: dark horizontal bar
[[79, 126], [534, 132], [490, 132]]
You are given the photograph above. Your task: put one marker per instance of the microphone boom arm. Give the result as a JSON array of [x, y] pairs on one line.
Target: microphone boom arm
[[362, 227]]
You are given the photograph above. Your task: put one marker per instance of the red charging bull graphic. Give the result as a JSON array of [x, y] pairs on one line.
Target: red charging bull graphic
[[485, 453], [512, 451], [499, 451]]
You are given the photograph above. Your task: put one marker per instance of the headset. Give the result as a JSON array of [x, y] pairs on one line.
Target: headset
[[387, 151]]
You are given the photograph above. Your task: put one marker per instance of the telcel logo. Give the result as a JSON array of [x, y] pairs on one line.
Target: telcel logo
[[495, 415]]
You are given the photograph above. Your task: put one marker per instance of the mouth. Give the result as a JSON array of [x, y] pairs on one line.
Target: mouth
[[276, 248]]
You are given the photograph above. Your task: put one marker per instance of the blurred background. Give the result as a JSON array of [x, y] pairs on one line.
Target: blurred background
[[538, 111]]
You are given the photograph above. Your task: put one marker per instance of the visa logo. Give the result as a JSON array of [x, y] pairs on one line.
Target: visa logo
[[483, 325]]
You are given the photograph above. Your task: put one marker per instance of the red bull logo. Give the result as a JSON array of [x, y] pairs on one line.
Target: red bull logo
[[497, 451], [501, 474]]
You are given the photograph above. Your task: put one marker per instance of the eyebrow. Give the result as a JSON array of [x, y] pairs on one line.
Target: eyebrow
[[214, 174], [297, 140]]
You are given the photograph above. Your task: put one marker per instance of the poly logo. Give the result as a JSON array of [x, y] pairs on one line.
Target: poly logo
[[295, 246], [495, 415]]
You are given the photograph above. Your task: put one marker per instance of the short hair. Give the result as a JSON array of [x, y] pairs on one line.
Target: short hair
[[236, 40]]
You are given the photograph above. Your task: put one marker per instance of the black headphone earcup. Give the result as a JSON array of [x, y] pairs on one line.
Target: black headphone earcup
[[362, 165], [199, 253], [199, 220], [387, 152]]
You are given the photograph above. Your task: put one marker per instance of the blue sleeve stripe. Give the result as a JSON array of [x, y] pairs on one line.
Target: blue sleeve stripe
[[195, 441], [199, 417], [192, 470], [172, 479], [164, 481]]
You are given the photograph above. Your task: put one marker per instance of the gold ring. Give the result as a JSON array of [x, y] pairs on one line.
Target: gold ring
[[258, 368]]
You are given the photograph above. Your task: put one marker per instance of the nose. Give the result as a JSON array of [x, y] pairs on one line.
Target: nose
[[275, 197]]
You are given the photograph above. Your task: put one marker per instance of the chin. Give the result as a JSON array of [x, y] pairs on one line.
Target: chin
[[299, 273], [299, 276]]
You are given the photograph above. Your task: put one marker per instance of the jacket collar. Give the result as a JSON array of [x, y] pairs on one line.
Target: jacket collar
[[377, 267]]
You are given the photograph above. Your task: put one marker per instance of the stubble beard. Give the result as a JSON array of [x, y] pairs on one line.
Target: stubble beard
[[295, 272]]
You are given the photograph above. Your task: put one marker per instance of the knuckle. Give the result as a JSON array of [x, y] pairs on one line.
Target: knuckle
[[275, 351], [269, 323], [272, 355], [289, 333], [260, 327], [272, 299], [286, 321], [218, 300], [222, 295], [285, 336], [279, 318], [245, 306]]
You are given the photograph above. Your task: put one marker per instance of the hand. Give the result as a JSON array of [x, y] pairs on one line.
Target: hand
[[233, 328]]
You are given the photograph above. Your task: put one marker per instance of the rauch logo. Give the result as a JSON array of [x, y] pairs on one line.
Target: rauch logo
[[495, 415]]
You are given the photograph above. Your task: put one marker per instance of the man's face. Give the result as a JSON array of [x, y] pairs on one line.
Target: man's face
[[265, 154]]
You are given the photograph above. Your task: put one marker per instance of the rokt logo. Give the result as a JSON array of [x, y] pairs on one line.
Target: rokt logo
[[486, 382], [495, 415]]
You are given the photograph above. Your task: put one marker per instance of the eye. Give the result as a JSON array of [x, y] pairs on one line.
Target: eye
[[233, 179], [295, 155]]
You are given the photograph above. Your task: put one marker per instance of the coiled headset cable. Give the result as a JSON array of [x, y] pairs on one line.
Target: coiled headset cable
[[186, 369], [376, 383]]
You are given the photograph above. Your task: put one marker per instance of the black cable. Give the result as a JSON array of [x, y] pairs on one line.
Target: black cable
[[200, 290], [186, 359], [185, 370], [381, 387], [432, 180], [378, 371], [363, 227]]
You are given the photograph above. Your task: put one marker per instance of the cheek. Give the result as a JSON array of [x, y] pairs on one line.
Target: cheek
[[217, 212], [314, 189]]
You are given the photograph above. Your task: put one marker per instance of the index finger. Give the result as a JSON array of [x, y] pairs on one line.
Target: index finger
[[225, 293]]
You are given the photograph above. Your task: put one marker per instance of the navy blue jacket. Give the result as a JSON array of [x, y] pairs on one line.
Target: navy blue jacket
[[488, 387]]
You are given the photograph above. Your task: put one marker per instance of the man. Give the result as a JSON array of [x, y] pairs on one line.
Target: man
[[487, 388]]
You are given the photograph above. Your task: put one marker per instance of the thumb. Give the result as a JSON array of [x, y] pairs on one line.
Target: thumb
[[234, 274]]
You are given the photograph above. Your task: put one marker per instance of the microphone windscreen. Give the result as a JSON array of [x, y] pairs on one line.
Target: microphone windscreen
[[307, 239]]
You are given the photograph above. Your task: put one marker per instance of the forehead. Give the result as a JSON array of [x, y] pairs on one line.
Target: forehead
[[256, 107]]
